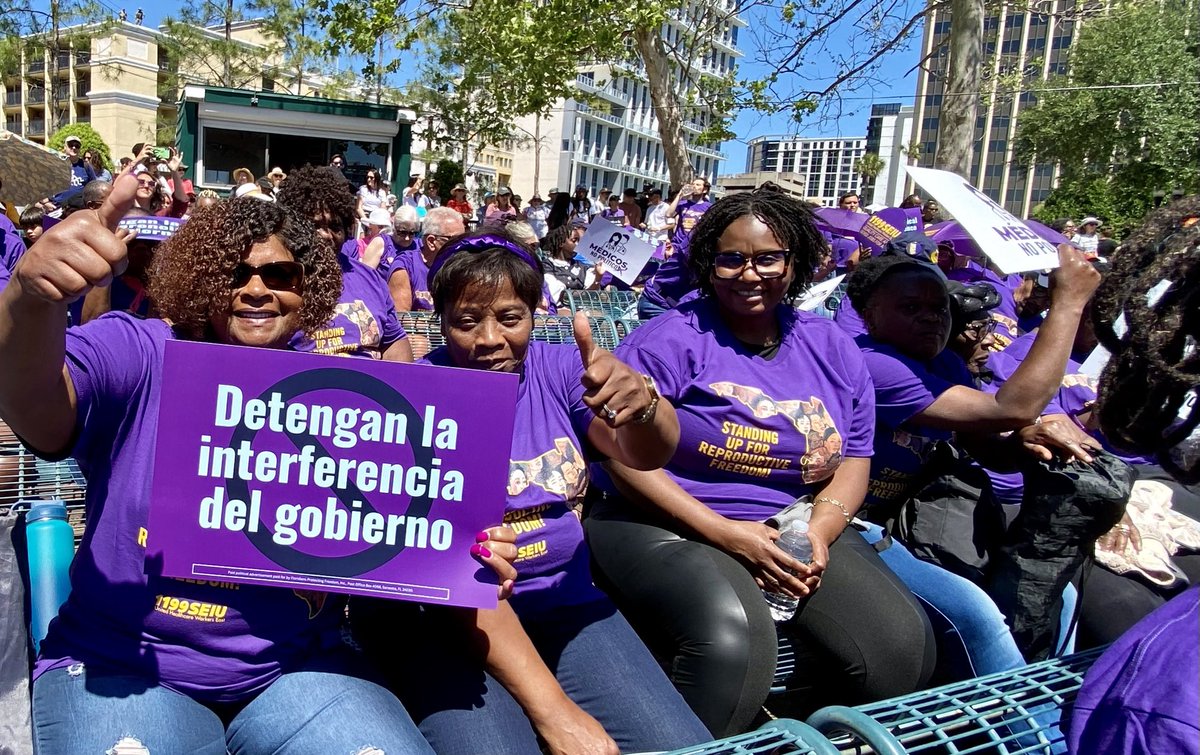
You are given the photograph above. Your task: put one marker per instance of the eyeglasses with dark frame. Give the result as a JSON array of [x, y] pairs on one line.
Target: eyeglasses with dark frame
[[980, 329], [277, 276], [767, 265]]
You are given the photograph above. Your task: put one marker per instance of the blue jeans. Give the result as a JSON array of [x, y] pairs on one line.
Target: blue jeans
[[599, 662], [89, 710], [648, 310], [966, 619], [956, 606]]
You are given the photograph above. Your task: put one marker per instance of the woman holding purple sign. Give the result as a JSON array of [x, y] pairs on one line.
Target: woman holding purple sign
[[774, 405], [561, 663], [136, 662]]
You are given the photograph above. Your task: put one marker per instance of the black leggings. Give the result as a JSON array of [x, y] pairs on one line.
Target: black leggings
[[862, 636]]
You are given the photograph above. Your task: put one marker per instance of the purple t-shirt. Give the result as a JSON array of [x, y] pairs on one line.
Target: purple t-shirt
[[904, 387], [1141, 696], [848, 319], [214, 641], [364, 322], [351, 248], [1005, 313], [547, 475], [674, 280], [12, 246], [755, 433], [392, 253], [413, 263]]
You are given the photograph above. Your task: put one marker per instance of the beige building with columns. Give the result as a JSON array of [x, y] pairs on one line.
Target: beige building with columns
[[121, 82]]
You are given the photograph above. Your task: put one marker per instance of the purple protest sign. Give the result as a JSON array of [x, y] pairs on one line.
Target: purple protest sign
[[882, 227], [330, 474]]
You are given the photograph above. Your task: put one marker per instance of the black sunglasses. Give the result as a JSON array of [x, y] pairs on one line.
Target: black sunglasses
[[277, 276]]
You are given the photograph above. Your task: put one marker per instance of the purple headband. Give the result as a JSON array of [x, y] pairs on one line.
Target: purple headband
[[481, 244]]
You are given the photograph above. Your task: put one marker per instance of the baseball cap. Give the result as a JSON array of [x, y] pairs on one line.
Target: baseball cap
[[1090, 219], [73, 139], [504, 190]]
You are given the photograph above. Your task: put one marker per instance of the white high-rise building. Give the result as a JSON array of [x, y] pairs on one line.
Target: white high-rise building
[[616, 145], [828, 166], [889, 132]]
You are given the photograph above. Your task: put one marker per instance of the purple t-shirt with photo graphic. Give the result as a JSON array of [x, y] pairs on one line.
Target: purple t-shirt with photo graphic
[[547, 475], [755, 433], [904, 387], [364, 322], [413, 263], [214, 641], [1005, 313]]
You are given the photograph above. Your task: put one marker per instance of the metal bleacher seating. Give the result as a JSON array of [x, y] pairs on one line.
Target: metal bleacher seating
[[425, 331], [24, 478], [1009, 713], [616, 305], [780, 737]]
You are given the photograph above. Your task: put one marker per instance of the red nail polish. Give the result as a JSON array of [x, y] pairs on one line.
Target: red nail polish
[[484, 552], [475, 549], [482, 537]]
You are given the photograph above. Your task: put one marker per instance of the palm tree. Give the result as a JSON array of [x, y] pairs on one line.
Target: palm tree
[[869, 166]]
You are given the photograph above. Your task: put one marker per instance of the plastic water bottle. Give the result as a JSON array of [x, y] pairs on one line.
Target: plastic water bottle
[[794, 542], [50, 545]]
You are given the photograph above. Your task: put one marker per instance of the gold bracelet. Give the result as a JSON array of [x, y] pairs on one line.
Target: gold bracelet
[[835, 502]]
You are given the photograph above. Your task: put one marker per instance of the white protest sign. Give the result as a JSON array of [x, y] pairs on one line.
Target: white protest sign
[[1009, 243], [817, 293], [622, 251]]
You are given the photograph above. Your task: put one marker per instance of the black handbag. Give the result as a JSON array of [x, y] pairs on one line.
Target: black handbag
[[955, 520], [1064, 509]]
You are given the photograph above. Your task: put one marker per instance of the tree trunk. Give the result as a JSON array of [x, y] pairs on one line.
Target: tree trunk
[[51, 96], [956, 135], [662, 95], [226, 67]]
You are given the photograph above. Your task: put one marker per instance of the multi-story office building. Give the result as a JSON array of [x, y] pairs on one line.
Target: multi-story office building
[[889, 133], [1016, 40], [615, 143], [122, 82], [829, 165]]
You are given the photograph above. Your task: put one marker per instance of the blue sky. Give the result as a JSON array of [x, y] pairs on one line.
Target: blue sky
[[895, 84]]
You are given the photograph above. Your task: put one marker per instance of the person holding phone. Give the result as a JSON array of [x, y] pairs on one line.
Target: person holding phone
[[154, 195]]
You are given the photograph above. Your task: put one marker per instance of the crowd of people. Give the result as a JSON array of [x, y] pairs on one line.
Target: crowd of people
[[656, 478]]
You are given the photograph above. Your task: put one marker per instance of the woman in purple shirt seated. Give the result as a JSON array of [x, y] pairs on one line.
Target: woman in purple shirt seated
[[561, 662], [774, 404], [924, 394], [125, 666]]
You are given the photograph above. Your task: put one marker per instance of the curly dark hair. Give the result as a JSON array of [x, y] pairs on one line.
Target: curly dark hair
[[788, 218], [485, 266], [553, 241], [1155, 364], [310, 191], [873, 271], [192, 272]]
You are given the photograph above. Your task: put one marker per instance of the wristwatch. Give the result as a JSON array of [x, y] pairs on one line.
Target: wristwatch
[[647, 414]]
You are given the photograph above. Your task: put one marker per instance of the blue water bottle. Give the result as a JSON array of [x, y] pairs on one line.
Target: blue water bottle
[[50, 544]]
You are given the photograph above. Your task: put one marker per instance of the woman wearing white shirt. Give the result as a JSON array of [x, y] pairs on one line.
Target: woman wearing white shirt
[[372, 195]]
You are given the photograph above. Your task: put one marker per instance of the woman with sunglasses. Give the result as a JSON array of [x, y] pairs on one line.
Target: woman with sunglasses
[[557, 661], [372, 195], [120, 669], [152, 193], [774, 405]]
